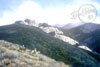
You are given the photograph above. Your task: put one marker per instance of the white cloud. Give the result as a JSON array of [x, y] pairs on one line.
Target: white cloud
[[51, 15], [59, 15], [97, 20], [27, 9]]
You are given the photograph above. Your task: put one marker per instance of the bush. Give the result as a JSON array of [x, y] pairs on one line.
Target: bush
[[10, 56]]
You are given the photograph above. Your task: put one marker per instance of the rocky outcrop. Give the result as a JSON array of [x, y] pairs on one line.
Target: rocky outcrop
[[20, 22], [28, 22], [51, 29], [67, 39], [85, 48], [59, 34], [44, 25]]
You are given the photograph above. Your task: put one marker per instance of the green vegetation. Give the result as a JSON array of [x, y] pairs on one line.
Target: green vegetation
[[33, 37], [91, 40]]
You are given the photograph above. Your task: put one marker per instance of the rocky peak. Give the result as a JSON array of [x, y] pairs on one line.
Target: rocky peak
[[31, 22], [28, 22], [20, 22]]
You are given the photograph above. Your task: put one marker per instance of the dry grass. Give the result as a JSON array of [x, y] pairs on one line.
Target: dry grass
[[12, 56]]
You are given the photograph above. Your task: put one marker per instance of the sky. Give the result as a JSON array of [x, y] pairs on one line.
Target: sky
[[49, 11]]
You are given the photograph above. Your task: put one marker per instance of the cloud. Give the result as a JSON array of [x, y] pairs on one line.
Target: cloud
[[52, 15], [27, 9], [59, 15]]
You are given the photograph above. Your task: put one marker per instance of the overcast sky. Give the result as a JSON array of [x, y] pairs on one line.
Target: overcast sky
[[49, 11]]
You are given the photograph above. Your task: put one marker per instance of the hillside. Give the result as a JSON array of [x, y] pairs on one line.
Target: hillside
[[33, 37], [12, 55], [87, 34]]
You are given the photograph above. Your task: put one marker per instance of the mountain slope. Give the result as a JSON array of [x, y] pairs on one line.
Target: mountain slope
[[33, 37], [12, 55], [87, 34], [71, 25]]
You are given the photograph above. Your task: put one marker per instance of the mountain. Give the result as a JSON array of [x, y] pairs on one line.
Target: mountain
[[32, 23], [58, 25], [28, 22], [33, 37], [51, 30], [13, 55], [87, 34], [71, 25]]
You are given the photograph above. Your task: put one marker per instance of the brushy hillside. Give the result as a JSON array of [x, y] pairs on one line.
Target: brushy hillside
[[33, 37], [87, 34], [12, 55]]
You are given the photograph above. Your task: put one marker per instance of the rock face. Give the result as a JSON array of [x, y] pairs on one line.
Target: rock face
[[12, 56]]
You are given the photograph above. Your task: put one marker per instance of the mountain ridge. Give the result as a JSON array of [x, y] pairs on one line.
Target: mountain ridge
[[33, 37], [86, 34]]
